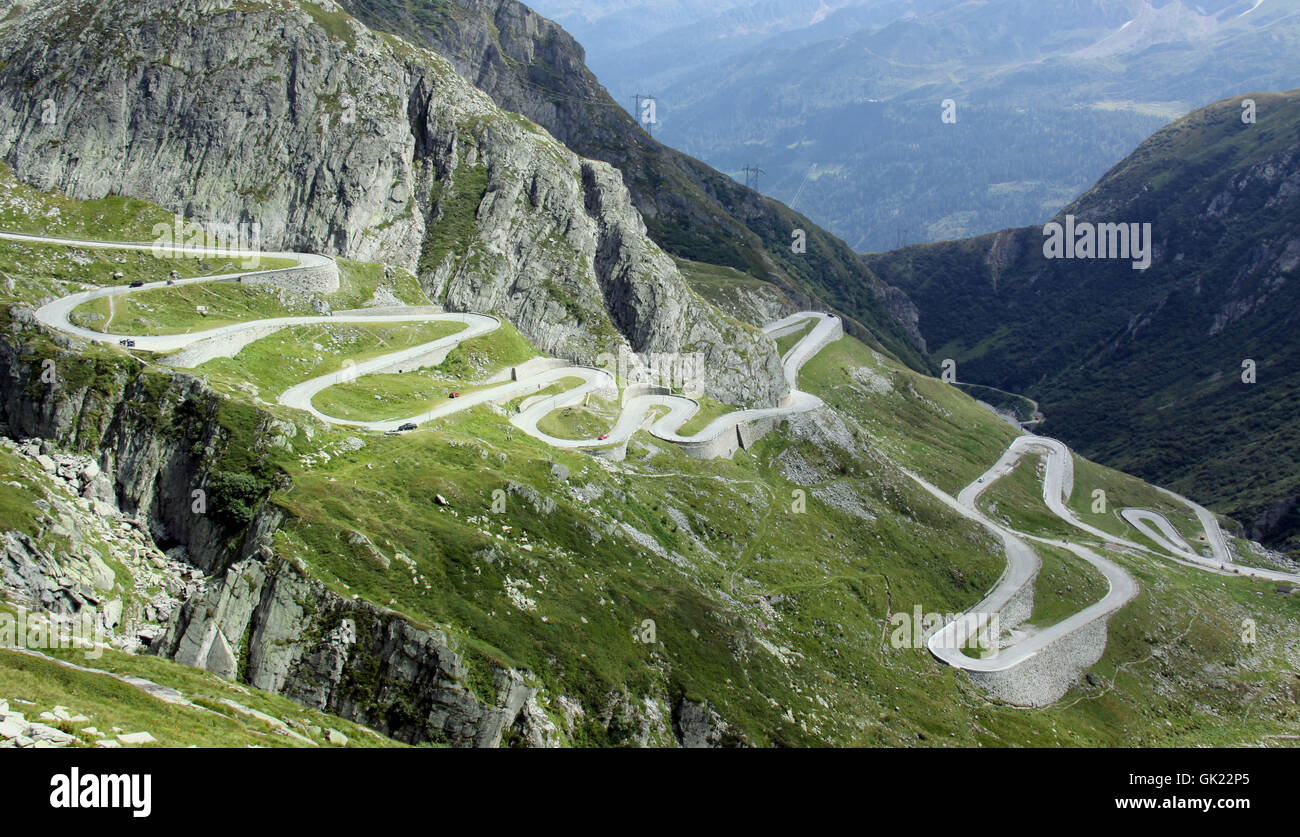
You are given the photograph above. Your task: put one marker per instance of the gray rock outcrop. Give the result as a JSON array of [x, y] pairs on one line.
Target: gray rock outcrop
[[530, 65], [291, 635], [337, 140], [698, 725], [156, 436]]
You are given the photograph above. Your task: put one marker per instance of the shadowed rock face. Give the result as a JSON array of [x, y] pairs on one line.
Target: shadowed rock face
[[336, 139], [347, 658]]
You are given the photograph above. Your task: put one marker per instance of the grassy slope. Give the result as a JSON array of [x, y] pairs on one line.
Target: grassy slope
[[487, 354], [729, 288], [829, 578], [1017, 500], [709, 410], [786, 343], [173, 310], [1144, 375], [1124, 491], [388, 396], [923, 423], [40, 270], [25, 209], [295, 354], [1066, 585], [591, 595], [587, 421], [49, 270], [109, 703]]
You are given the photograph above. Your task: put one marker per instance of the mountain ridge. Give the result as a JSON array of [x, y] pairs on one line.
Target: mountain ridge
[[691, 210], [1137, 367], [844, 115]]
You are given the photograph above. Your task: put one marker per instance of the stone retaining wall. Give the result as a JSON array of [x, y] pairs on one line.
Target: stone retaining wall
[[319, 279], [224, 345], [531, 366], [637, 390], [725, 444], [1020, 606], [1045, 677], [749, 432]]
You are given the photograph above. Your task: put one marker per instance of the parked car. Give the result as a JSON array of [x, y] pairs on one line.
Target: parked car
[[137, 283], [410, 425], [602, 437], [455, 395], [130, 344]]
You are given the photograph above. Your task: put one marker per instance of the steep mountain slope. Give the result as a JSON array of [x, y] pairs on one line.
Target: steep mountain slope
[[1143, 369], [842, 108], [332, 137], [521, 594], [531, 66]]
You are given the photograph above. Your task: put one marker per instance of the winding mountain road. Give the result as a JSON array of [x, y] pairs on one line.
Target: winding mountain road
[[192, 348], [680, 410], [1023, 563], [1022, 568]]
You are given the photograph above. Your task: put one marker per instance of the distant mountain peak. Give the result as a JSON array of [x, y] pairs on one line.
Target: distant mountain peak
[[1170, 23]]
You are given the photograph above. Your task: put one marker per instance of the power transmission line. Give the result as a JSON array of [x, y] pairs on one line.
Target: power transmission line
[[799, 191], [645, 113]]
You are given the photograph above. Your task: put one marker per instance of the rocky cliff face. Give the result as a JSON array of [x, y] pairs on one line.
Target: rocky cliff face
[[156, 437], [333, 138], [147, 441], [270, 625], [530, 65]]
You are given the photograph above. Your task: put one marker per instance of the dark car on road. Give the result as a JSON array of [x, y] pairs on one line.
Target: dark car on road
[[139, 283], [408, 426]]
